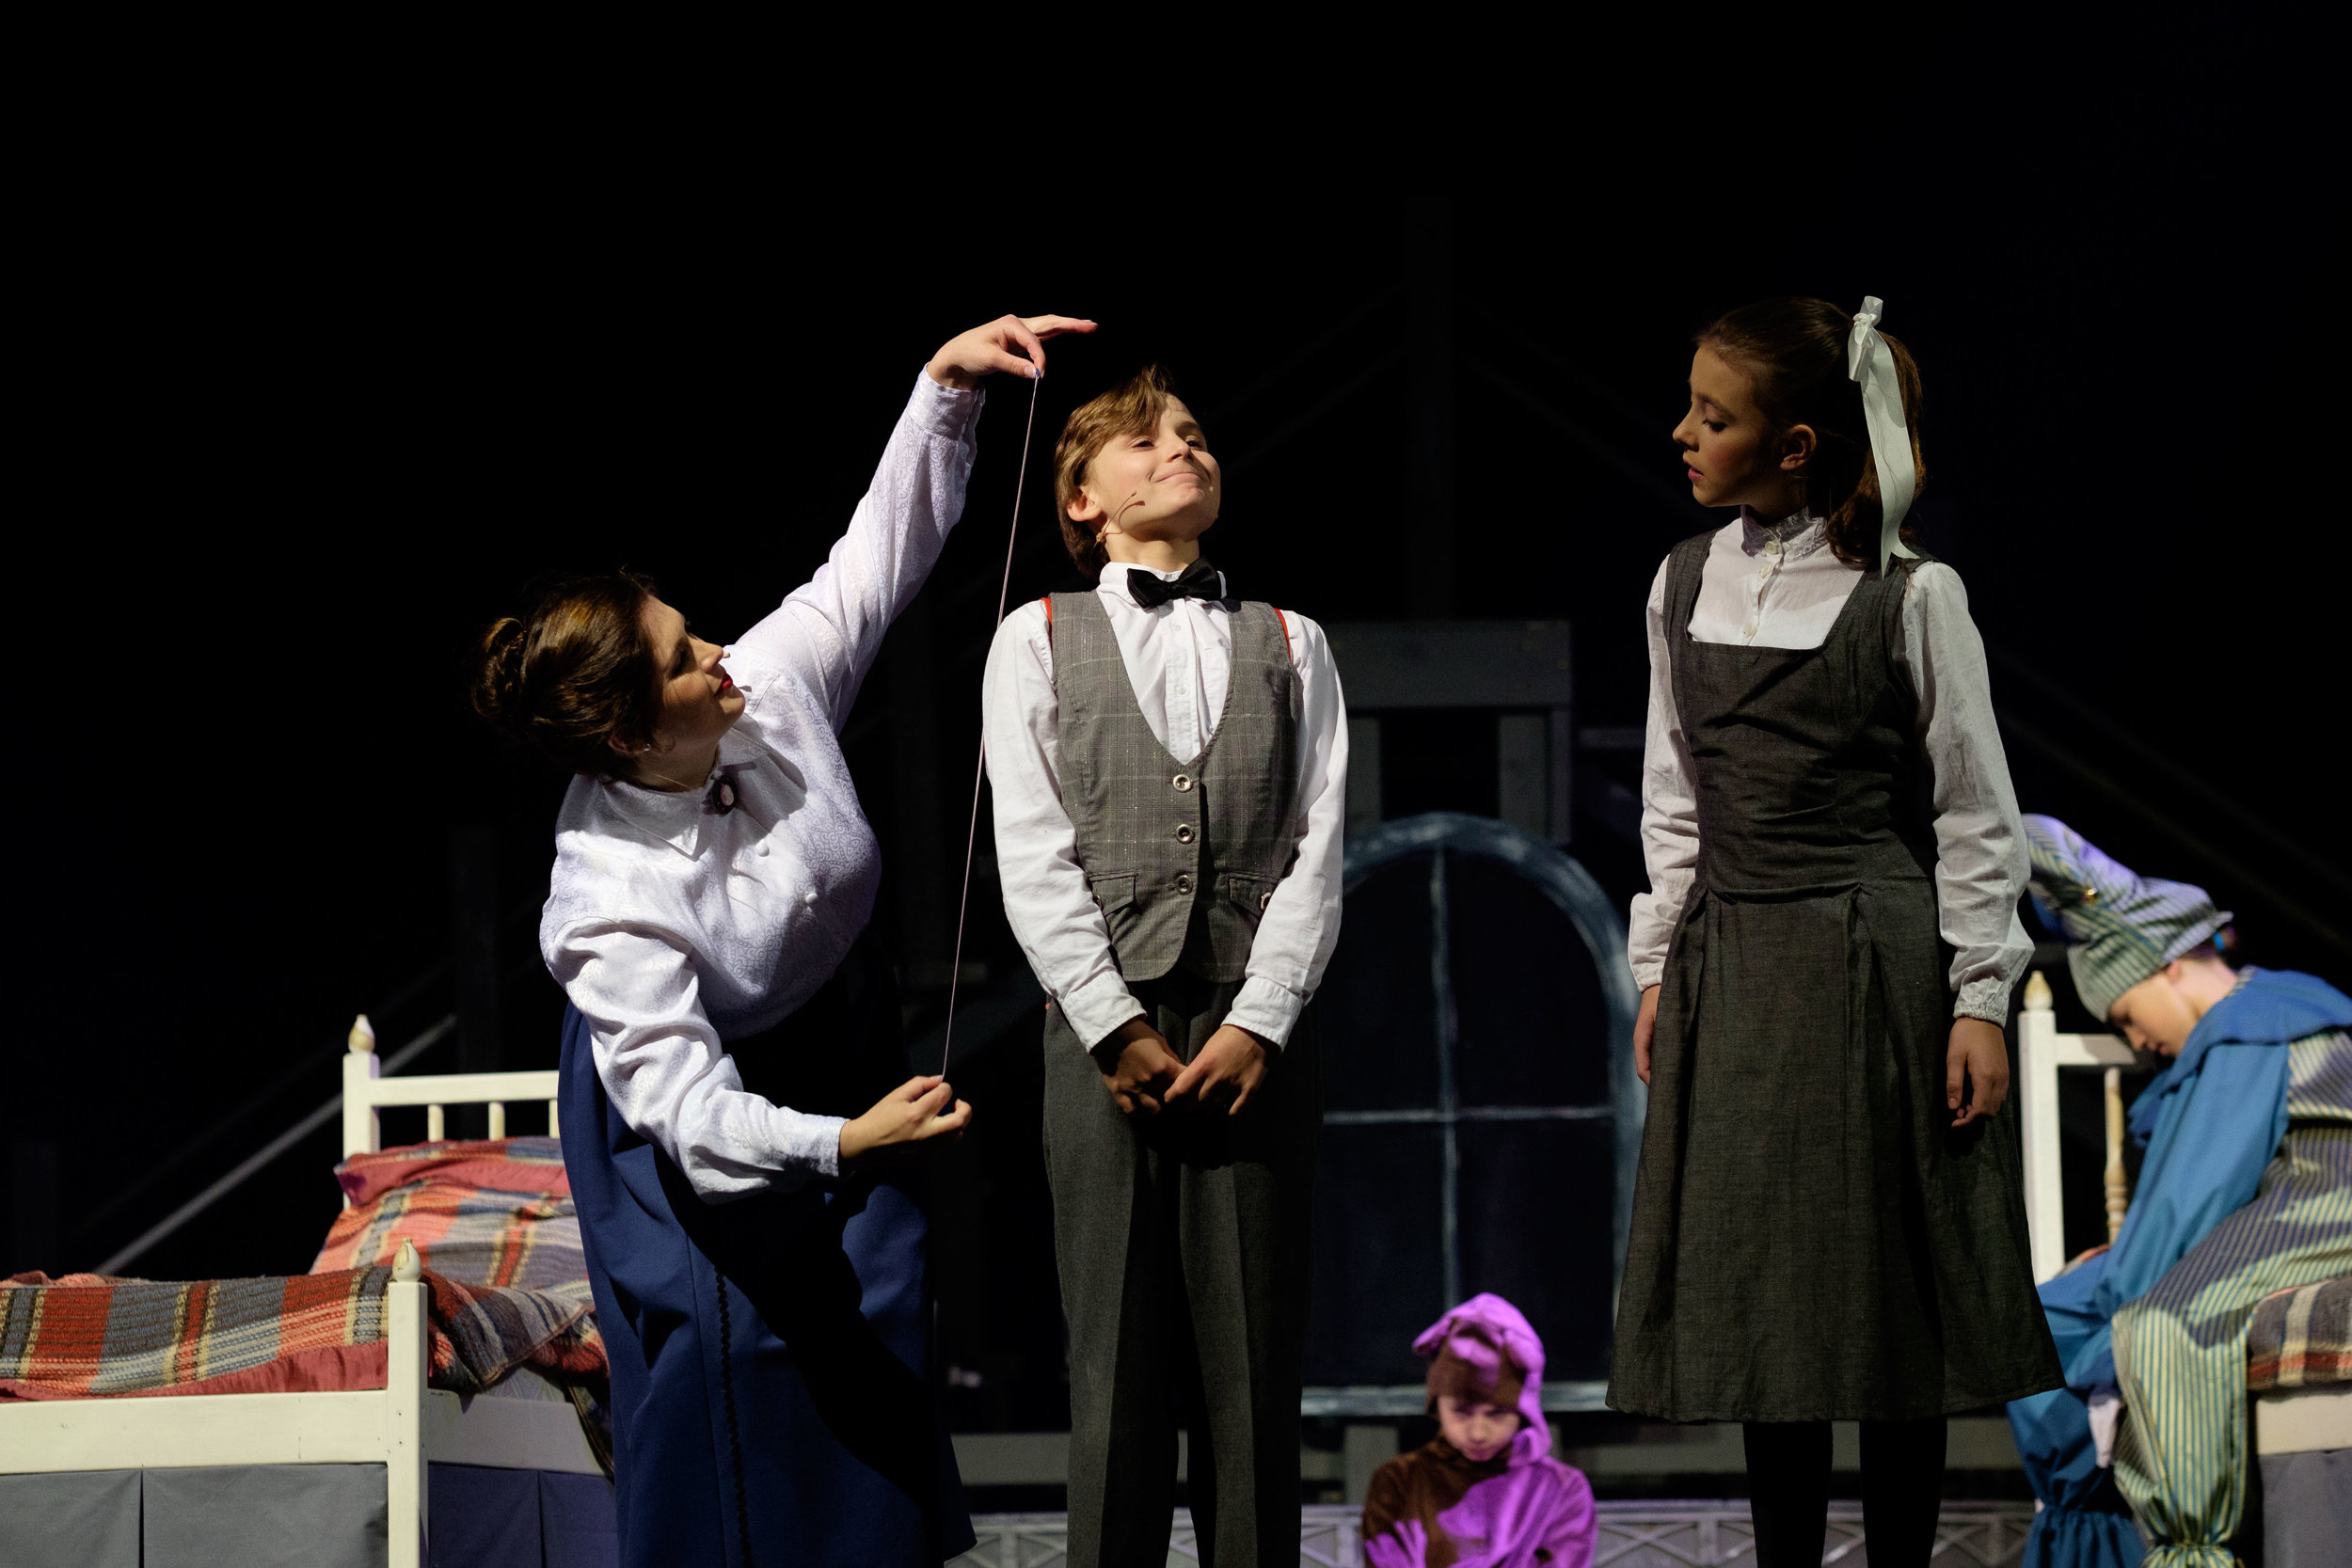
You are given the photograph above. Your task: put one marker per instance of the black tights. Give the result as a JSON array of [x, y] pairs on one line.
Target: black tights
[[1903, 1483]]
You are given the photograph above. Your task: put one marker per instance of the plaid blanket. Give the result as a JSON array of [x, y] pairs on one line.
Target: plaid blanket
[[493, 1222], [2301, 1337], [488, 1213], [83, 1336]]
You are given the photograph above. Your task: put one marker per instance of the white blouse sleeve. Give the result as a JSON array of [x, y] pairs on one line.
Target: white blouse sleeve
[[1053, 917], [664, 1071], [1670, 811], [1301, 921], [827, 632], [1979, 840]]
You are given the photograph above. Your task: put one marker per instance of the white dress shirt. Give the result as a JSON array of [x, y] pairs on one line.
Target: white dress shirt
[[1781, 586], [672, 927], [1179, 659]]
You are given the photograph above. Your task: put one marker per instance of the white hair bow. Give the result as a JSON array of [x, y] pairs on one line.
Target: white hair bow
[[1869, 361]]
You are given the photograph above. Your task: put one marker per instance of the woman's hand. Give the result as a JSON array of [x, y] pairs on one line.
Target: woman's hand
[[962, 361], [1233, 1062], [1142, 1066], [903, 1121], [1978, 1054], [1644, 1025]]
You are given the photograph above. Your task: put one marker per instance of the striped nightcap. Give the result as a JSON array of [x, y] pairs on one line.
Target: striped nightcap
[[2119, 928]]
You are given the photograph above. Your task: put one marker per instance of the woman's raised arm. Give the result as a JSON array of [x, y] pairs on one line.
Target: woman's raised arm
[[826, 633]]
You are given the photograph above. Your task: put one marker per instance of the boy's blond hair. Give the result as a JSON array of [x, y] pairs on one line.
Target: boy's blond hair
[[1132, 408]]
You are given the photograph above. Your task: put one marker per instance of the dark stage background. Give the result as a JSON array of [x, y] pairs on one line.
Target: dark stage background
[[321, 405]]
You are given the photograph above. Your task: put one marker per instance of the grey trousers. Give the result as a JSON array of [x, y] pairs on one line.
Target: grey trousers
[[1183, 1243]]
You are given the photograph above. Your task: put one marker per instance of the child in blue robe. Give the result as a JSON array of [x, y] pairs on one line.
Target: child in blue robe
[[2252, 1118]]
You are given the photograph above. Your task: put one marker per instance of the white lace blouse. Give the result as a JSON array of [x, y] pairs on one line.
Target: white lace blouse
[[672, 925]]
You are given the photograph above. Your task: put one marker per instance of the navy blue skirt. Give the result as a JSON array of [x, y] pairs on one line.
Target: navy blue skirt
[[772, 1396]]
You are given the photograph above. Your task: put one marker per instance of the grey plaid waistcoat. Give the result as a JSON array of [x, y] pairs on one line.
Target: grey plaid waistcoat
[[1181, 856]]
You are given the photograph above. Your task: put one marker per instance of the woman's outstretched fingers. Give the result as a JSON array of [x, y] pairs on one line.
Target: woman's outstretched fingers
[[1013, 364], [1018, 332], [966, 357], [1043, 328]]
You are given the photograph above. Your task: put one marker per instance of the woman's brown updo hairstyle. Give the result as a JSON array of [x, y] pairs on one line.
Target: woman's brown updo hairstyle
[[574, 673], [1795, 349]]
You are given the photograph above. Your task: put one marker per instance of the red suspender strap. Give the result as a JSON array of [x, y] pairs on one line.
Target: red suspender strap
[[1047, 600], [1286, 631]]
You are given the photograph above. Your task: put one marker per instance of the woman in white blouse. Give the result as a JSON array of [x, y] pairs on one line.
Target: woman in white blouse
[[737, 1113], [1827, 1224]]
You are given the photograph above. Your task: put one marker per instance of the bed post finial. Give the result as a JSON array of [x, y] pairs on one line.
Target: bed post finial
[[406, 1265], [362, 1036], [2036, 993]]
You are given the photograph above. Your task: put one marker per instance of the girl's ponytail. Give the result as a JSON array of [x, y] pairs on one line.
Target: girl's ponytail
[[1795, 349]]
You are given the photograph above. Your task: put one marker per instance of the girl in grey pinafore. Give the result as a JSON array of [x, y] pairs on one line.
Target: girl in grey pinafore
[[1811, 1240]]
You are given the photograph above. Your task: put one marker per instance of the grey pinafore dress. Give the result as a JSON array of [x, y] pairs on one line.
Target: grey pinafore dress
[[1811, 1241]]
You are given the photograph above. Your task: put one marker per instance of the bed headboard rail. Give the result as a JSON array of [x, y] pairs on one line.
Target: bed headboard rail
[[2040, 1051], [365, 1092]]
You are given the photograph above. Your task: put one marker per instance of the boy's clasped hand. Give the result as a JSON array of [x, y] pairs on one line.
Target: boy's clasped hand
[[1144, 1075]]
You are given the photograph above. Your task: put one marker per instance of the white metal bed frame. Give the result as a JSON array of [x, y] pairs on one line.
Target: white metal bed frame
[[405, 1426], [2287, 1420]]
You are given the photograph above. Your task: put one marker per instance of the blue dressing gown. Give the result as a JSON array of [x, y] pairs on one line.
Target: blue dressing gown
[[2211, 1123]]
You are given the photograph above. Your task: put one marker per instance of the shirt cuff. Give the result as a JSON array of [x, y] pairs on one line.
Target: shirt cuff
[[944, 411], [1267, 1010], [1987, 999], [1099, 1006], [1649, 974], [809, 1144]]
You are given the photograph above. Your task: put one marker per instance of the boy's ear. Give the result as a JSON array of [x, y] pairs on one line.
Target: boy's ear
[[1084, 508]]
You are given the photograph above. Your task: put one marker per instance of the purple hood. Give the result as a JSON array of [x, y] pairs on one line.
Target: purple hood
[[1537, 1511], [1504, 1325]]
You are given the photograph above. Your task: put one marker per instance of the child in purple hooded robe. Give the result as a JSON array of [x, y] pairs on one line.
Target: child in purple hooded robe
[[1484, 1493]]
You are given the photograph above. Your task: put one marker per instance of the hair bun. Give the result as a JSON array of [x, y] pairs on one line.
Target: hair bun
[[574, 675], [498, 682]]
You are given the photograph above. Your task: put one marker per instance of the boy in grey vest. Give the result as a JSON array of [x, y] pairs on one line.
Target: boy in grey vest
[[1169, 765]]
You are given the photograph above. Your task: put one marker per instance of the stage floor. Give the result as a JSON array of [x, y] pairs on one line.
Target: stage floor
[[1695, 1534]]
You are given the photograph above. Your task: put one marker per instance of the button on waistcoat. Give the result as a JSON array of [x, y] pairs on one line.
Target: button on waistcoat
[[1181, 856]]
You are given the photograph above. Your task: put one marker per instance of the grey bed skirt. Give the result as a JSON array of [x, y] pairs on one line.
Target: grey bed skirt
[[2307, 1509], [314, 1515]]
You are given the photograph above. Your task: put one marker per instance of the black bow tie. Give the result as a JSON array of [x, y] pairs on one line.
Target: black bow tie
[[1201, 580]]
